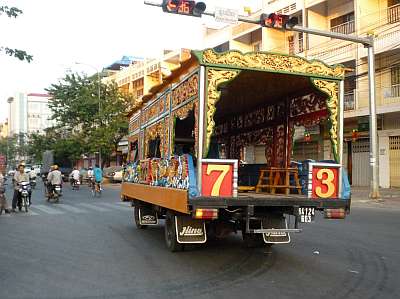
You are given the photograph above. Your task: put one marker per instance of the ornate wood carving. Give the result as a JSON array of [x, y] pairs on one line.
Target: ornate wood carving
[[271, 62], [331, 88], [185, 90], [215, 77]]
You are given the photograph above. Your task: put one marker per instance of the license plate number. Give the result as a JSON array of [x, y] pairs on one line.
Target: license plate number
[[306, 215]]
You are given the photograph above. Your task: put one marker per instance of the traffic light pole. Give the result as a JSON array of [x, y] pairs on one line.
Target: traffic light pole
[[368, 42]]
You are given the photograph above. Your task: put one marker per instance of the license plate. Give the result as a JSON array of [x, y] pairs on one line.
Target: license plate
[[306, 215]]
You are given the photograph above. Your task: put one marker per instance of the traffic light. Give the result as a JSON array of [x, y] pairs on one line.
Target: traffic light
[[184, 7], [278, 21]]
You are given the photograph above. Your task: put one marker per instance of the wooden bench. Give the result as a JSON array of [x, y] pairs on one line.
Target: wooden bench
[[273, 178]]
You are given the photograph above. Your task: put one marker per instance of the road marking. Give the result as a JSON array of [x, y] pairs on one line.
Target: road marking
[[113, 206], [93, 207], [71, 209], [48, 210]]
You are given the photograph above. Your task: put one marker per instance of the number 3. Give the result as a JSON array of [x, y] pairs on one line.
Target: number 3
[[327, 182], [218, 182]]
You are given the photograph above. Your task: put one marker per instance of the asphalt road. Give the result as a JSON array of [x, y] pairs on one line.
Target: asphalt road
[[89, 248]]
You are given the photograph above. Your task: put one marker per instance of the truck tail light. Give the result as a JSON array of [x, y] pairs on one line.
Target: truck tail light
[[335, 213], [206, 214]]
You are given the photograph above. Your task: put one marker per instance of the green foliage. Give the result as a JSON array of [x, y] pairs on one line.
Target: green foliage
[[13, 146], [87, 122], [13, 12]]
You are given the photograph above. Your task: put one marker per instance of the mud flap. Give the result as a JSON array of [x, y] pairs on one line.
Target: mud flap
[[189, 230], [147, 216], [275, 237]]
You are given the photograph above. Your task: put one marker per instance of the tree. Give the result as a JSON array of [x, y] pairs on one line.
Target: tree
[[91, 123], [13, 12]]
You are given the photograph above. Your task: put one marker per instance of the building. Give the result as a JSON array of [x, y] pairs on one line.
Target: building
[[361, 17], [29, 113], [38, 113]]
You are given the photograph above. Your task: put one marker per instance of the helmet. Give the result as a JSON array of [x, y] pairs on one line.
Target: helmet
[[55, 167]]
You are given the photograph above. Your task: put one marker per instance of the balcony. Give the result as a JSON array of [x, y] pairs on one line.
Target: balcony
[[345, 28], [393, 14], [349, 101]]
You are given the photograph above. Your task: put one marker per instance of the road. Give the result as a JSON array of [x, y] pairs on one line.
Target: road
[[89, 248]]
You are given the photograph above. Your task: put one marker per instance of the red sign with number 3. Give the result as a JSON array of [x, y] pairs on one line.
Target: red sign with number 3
[[325, 182], [217, 179]]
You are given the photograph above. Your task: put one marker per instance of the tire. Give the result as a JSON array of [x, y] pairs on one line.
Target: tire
[[252, 240], [25, 204], [136, 218], [170, 233]]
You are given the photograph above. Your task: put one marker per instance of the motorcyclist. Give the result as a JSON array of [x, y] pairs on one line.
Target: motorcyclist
[[75, 176], [53, 178], [98, 176], [90, 176], [32, 174], [19, 177]]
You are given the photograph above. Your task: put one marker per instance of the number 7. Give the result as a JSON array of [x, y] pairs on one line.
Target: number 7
[[215, 191]]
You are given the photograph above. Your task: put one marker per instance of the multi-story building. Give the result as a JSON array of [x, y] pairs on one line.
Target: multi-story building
[[29, 113], [362, 17]]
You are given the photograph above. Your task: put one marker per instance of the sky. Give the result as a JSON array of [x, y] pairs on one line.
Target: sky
[[59, 33]]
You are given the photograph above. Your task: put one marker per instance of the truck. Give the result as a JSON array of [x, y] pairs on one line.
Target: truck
[[212, 148]]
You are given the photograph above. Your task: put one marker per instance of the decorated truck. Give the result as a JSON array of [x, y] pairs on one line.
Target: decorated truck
[[216, 148]]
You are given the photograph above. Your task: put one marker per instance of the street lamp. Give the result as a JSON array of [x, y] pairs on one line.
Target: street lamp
[[9, 101], [98, 94]]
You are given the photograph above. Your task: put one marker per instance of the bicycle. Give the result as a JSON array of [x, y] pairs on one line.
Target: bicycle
[[96, 189]]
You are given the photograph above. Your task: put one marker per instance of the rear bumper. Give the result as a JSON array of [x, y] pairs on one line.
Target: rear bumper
[[220, 202]]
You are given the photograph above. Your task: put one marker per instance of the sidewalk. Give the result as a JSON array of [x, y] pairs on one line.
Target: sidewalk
[[389, 196]]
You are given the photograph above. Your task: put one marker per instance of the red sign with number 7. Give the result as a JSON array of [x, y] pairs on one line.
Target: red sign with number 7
[[217, 179]]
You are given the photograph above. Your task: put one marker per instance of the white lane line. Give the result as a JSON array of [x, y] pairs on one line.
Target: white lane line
[[113, 206], [48, 210], [71, 209], [93, 207]]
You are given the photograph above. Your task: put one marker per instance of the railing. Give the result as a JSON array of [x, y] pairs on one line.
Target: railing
[[395, 90], [349, 101], [393, 14], [344, 28]]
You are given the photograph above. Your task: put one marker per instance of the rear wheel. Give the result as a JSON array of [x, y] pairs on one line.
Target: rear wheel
[[252, 240], [136, 217], [170, 233]]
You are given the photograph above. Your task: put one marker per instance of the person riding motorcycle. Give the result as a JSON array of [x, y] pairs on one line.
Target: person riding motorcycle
[[75, 176], [90, 176], [53, 178], [32, 176], [98, 176], [19, 177]]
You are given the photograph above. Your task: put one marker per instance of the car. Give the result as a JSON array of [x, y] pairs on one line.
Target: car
[[118, 176], [110, 172], [11, 172]]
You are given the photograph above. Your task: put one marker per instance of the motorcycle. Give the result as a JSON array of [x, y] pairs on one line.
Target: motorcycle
[[33, 183], [24, 190], [56, 193], [75, 184]]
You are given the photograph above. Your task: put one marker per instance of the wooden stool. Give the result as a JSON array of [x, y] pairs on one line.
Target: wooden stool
[[275, 177]]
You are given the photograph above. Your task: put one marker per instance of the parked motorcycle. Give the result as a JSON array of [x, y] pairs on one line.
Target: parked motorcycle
[[24, 190]]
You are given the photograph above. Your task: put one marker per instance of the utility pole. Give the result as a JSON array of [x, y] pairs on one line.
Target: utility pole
[[98, 95], [368, 42]]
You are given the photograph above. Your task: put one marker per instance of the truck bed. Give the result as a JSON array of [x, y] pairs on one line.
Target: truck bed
[[265, 199]]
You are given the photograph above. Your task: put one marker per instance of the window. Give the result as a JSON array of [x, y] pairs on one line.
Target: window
[[222, 48]]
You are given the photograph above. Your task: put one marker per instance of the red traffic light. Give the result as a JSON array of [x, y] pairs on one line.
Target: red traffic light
[[278, 21], [184, 7]]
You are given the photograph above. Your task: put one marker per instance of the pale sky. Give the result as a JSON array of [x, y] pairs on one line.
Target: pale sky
[[59, 33]]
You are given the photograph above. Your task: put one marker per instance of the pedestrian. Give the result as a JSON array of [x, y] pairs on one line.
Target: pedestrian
[[19, 177], [3, 200]]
